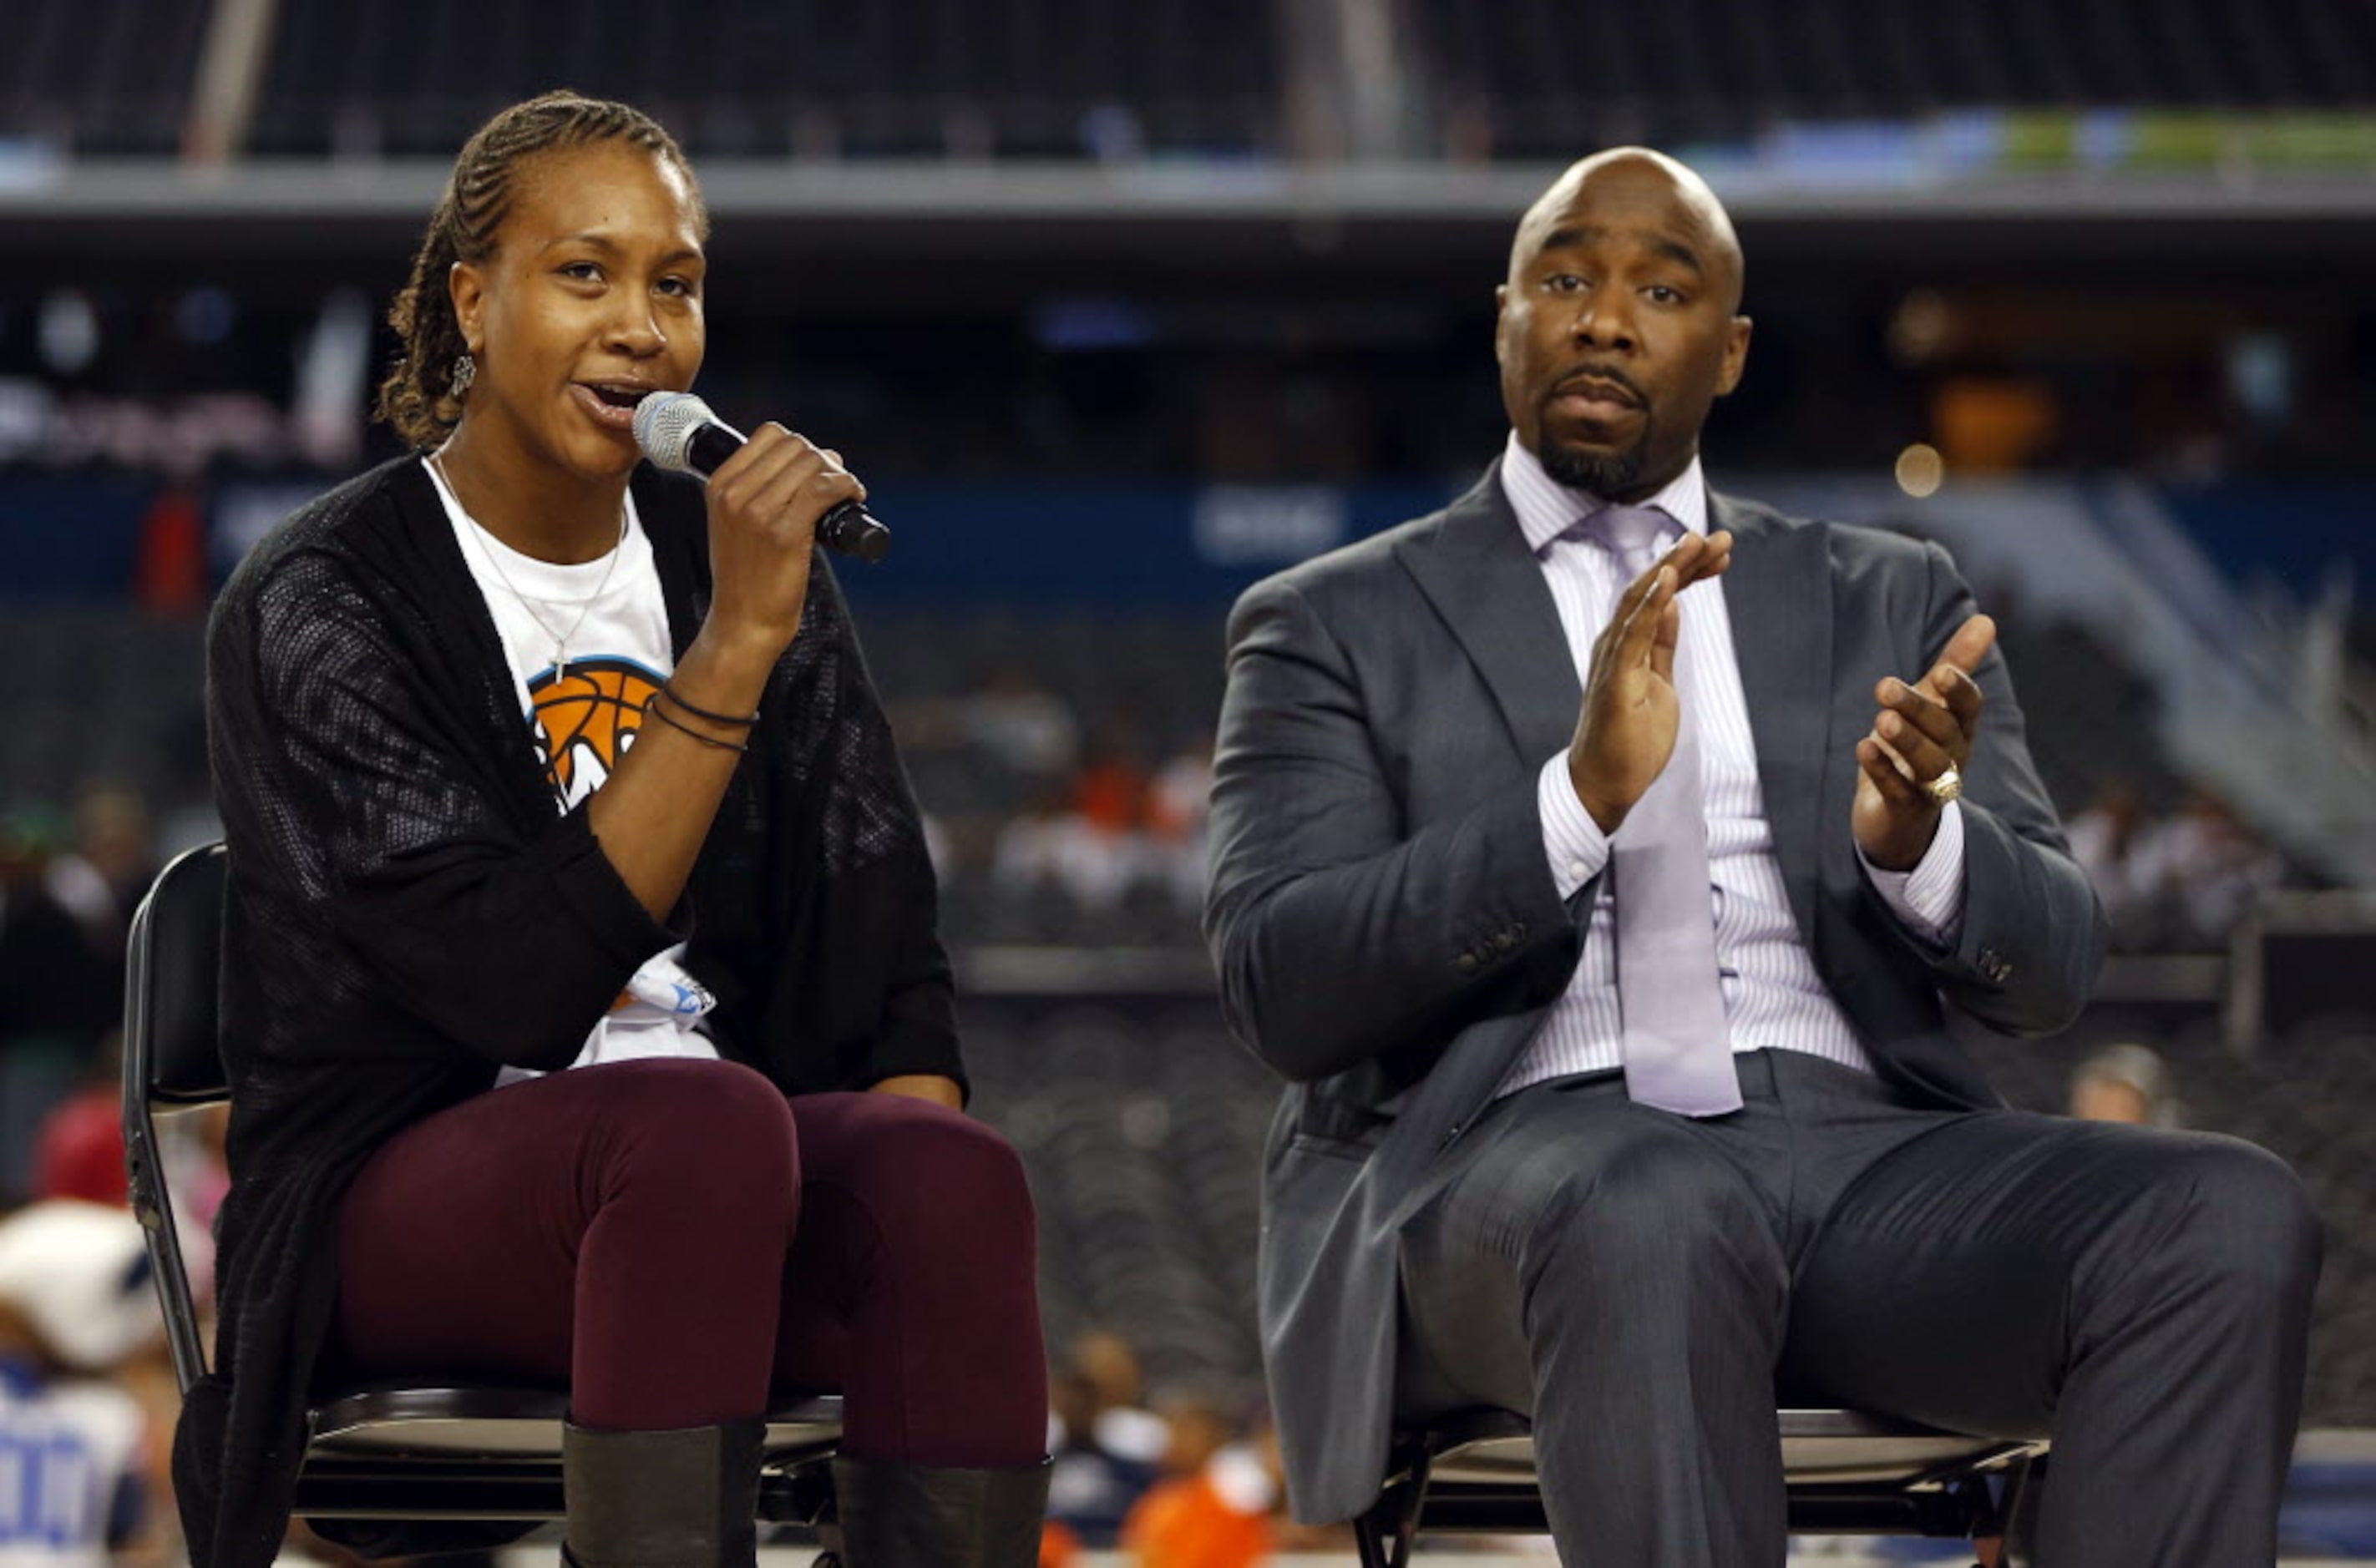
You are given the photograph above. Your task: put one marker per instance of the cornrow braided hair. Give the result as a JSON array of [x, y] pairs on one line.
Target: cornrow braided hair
[[418, 399]]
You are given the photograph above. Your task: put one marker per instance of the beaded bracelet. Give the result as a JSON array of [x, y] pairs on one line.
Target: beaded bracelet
[[670, 691], [657, 711]]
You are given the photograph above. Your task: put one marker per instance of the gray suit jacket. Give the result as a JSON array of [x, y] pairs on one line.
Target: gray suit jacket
[[1382, 915]]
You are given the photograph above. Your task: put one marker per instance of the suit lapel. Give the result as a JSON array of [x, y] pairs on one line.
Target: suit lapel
[[1475, 568], [1777, 595], [1488, 589]]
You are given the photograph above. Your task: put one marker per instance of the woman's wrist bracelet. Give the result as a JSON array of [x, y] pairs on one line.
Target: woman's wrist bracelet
[[655, 710], [670, 691]]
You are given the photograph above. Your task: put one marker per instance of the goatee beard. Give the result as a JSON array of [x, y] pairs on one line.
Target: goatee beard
[[1605, 475]]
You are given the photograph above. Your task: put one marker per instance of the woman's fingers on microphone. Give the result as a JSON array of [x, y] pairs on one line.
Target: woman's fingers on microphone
[[778, 486], [834, 465], [796, 487], [775, 504], [746, 471]]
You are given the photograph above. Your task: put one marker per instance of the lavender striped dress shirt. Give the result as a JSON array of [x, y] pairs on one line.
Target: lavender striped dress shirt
[[1773, 996]]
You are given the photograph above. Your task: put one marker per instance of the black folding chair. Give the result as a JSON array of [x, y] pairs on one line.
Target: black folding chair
[[391, 1450], [1847, 1474]]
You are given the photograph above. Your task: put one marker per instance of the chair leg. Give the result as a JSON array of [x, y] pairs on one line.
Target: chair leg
[[1369, 1537], [2008, 1546], [2020, 1511], [1382, 1536]]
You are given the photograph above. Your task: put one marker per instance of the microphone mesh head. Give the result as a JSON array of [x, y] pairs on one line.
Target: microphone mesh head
[[664, 425]]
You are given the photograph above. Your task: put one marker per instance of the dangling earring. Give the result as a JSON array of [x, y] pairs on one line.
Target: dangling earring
[[465, 369]]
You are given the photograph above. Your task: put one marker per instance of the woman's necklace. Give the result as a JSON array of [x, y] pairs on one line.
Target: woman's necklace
[[478, 531]]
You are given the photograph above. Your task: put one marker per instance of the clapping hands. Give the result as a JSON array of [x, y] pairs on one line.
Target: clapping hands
[[1910, 765]]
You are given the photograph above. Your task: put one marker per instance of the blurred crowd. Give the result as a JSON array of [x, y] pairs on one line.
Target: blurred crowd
[[68, 885], [1188, 1478], [84, 1385], [2128, 1082], [85, 1400], [1048, 828], [2175, 881]]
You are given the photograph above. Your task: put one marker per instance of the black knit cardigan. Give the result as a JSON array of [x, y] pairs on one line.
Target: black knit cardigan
[[407, 911]]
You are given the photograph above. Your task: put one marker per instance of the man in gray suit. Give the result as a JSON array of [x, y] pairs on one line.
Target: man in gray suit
[[1601, 859]]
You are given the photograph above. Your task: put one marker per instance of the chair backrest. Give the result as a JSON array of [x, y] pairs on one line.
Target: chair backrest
[[172, 1057], [172, 977]]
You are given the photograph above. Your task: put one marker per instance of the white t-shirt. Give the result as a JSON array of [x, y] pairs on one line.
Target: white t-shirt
[[582, 719]]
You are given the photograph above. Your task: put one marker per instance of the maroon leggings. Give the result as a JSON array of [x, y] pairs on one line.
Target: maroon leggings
[[672, 1238]]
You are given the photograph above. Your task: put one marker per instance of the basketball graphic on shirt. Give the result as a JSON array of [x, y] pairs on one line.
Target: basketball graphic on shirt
[[585, 717]]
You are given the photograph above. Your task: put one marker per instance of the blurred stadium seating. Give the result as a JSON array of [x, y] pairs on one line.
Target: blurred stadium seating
[[1704, 70], [1068, 79], [413, 77], [1120, 305], [100, 77]]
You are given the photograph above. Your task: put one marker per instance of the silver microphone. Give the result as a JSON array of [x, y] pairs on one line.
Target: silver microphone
[[680, 433]]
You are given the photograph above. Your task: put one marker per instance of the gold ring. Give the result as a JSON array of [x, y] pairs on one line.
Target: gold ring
[[1948, 786]]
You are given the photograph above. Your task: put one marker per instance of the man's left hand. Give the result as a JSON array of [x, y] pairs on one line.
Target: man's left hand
[[922, 1085], [1922, 731]]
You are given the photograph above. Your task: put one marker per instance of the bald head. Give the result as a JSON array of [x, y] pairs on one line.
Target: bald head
[[1620, 321], [1643, 182]]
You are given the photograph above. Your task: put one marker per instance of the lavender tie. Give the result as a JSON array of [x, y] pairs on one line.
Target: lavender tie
[[1678, 1049]]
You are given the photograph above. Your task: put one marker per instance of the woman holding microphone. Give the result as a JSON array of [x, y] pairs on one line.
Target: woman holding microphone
[[585, 1017]]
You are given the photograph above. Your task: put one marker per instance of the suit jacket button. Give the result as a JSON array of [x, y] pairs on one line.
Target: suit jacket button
[[1503, 942], [1466, 963]]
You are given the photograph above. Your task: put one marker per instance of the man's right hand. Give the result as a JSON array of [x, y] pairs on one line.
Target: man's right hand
[[1631, 714]]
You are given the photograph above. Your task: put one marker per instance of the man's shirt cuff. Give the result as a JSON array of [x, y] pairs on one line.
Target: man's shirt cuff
[[1928, 900], [1573, 841]]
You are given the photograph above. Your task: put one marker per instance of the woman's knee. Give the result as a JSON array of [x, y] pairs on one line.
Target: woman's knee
[[711, 1129], [968, 1173], [936, 1183]]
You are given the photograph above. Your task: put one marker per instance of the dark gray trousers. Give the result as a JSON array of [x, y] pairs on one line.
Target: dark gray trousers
[[1645, 1286]]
